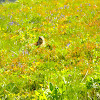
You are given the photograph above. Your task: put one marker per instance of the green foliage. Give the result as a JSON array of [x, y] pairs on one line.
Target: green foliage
[[68, 68]]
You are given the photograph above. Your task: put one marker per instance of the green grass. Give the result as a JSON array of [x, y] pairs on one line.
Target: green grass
[[69, 69]]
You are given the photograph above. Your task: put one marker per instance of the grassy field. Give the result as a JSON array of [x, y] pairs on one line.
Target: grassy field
[[67, 69]]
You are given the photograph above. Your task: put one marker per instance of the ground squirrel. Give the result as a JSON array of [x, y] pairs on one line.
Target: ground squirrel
[[40, 42]]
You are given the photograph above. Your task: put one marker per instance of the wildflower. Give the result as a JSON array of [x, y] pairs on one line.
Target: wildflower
[[11, 23], [34, 29], [13, 36], [2, 28], [30, 35], [4, 34], [68, 44]]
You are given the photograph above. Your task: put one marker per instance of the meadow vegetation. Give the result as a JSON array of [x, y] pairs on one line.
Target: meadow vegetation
[[68, 68]]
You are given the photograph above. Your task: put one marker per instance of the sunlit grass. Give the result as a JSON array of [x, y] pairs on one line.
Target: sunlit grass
[[68, 68]]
